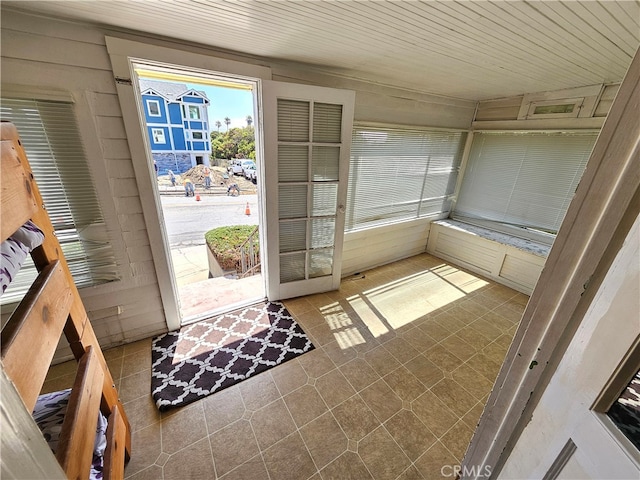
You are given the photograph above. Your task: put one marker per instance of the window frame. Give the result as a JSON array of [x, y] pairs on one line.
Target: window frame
[[576, 102], [351, 227], [156, 134], [149, 110], [82, 105], [627, 369], [194, 108], [527, 232]]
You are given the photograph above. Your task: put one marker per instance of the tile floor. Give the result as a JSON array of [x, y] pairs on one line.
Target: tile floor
[[405, 358]]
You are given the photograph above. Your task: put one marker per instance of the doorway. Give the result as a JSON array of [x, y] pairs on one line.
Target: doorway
[[303, 126], [198, 127]]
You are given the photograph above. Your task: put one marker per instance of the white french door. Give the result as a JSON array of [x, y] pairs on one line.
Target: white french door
[[569, 436], [307, 140]]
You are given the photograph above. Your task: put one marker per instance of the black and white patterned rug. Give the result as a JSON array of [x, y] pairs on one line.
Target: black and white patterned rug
[[208, 356]]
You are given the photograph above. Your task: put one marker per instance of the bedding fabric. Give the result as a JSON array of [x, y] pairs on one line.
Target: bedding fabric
[[49, 414], [15, 249]]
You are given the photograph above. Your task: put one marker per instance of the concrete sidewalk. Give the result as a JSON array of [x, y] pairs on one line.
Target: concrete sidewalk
[[190, 264], [200, 294], [179, 190]]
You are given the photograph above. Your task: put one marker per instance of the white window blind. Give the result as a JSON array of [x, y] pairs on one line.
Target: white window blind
[[398, 174], [50, 138], [523, 179]]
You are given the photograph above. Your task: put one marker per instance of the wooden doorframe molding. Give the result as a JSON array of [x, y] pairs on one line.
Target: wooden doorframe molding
[[604, 208]]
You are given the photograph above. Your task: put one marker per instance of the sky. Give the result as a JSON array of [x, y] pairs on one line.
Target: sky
[[227, 102]]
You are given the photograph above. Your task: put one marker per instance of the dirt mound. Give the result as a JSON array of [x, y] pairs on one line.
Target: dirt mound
[[196, 175], [219, 177]]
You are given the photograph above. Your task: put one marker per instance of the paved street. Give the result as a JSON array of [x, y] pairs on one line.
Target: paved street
[[187, 219]]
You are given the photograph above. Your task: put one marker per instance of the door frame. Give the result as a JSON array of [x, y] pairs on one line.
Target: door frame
[[605, 206], [123, 53]]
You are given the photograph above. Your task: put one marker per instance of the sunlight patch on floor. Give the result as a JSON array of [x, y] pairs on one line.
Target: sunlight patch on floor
[[345, 333], [398, 303], [368, 315], [349, 337]]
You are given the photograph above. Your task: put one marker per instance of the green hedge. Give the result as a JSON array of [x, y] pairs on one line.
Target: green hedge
[[224, 243]]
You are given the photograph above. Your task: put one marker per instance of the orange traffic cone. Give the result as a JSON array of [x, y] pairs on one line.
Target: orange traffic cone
[[197, 197], [247, 210]]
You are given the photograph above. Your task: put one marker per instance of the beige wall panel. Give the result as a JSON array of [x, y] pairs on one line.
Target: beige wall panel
[[119, 168], [125, 297], [106, 104], [140, 253], [61, 77], [29, 46], [124, 187], [383, 104], [609, 93], [128, 205], [48, 56], [47, 28], [132, 223], [136, 238], [367, 249], [111, 127], [503, 263], [501, 109], [467, 249], [522, 270], [116, 148], [142, 268]]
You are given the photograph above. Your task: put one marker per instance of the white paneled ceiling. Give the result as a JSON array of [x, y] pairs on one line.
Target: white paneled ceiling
[[468, 49]]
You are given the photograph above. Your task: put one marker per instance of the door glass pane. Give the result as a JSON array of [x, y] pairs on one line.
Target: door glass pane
[[293, 163], [292, 267], [293, 201], [320, 263], [325, 163], [327, 122], [325, 197], [293, 121], [293, 236], [322, 232]]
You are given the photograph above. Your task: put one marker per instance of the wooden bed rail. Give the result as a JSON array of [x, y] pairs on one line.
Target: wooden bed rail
[[25, 202]]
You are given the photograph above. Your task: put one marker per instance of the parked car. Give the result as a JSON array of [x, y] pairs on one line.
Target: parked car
[[248, 170], [237, 166], [253, 175]]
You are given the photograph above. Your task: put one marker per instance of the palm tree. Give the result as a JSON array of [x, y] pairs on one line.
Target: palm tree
[[249, 120], [227, 121], [218, 124]]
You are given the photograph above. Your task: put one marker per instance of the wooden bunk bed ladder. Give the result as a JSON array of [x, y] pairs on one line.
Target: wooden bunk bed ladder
[[52, 306]]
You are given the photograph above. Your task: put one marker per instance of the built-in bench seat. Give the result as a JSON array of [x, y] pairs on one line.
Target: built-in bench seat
[[510, 260]]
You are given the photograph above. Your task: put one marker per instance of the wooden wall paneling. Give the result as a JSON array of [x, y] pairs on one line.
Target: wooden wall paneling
[[62, 77], [606, 100], [90, 80], [499, 109], [503, 263], [70, 53], [364, 250], [522, 269], [44, 27]]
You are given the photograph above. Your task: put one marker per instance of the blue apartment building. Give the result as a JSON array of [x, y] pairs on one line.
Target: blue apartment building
[[177, 123]]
